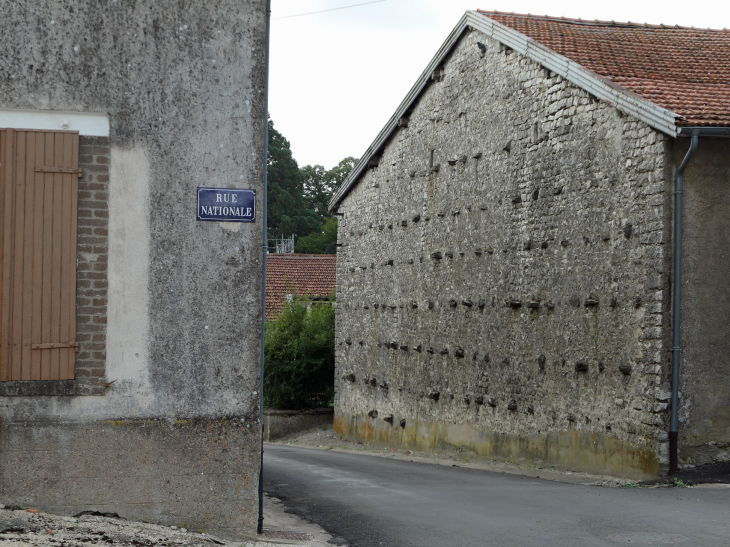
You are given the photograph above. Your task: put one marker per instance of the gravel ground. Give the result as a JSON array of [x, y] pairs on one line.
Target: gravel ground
[[325, 438], [33, 528]]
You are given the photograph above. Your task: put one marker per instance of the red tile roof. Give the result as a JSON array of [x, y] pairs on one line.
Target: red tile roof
[[298, 274], [685, 70]]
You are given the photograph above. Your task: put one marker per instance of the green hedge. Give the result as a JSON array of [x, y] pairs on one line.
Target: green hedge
[[299, 364]]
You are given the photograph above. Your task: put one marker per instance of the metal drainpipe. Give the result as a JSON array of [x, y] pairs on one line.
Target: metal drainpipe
[[677, 300], [260, 527]]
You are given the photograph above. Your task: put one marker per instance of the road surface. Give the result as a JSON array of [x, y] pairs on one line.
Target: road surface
[[366, 501]]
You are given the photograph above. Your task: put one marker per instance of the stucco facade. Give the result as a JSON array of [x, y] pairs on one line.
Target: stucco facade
[[505, 272], [162, 420]]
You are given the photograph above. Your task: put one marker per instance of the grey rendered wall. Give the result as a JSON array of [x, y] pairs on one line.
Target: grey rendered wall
[[502, 284], [182, 84], [705, 366]]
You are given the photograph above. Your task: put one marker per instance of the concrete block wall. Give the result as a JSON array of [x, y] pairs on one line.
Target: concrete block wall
[[503, 280], [169, 307]]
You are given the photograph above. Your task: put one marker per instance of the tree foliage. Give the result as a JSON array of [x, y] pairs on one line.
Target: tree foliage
[[300, 356], [298, 198], [320, 184], [288, 211], [319, 243]]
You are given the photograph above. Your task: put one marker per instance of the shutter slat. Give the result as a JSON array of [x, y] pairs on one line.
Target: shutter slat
[[8, 156], [66, 252], [56, 256], [47, 258], [17, 258], [71, 257], [40, 139], [27, 279]]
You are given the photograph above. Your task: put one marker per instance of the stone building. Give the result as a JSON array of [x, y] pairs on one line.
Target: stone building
[[505, 277], [129, 365]]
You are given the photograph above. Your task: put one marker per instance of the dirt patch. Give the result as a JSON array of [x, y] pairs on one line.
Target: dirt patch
[[715, 473], [30, 527]]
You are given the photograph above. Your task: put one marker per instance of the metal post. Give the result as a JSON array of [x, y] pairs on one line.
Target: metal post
[[265, 249], [677, 302]]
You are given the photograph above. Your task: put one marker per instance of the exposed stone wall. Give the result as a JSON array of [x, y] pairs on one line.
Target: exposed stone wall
[[91, 265], [503, 281]]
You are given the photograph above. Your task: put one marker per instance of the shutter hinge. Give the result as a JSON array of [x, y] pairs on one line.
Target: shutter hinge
[[58, 345], [50, 169]]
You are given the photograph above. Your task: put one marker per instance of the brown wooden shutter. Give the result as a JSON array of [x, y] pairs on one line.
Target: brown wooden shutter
[[39, 180]]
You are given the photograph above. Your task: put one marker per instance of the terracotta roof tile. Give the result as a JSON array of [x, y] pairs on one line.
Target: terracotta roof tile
[[310, 275], [685, 70]]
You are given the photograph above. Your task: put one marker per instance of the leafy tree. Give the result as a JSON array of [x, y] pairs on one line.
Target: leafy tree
[[319, 243], [288, 211], [320, 184], [299, 349]]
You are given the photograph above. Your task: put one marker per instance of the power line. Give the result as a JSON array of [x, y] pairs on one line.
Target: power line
[[331, 9]]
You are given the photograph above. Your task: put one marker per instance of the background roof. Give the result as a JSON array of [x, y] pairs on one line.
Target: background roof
[[685, 70], [303, 275]]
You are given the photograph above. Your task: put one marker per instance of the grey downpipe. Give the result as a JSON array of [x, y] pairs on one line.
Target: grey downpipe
[[677, 301], [260, 527]]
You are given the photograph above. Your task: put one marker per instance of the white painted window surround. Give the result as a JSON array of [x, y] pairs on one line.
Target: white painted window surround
[[89, 124]]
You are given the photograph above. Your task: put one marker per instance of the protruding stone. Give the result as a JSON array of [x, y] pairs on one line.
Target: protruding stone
[[414, 304], [482, 303], [436, 256], [478, 251], [468, 303], [541, 362], [452, 303], [444, 351], [492, 402], [418, 348], [348, 341], [533, 304], [514, 304]]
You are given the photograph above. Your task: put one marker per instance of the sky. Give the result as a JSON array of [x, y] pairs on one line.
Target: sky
[[336, 77]]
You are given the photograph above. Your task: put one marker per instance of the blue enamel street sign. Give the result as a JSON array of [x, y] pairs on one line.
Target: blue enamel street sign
[[226, 204]]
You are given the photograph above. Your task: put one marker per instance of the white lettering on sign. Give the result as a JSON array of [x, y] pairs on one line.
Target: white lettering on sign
[[235, 211], [225, 198]]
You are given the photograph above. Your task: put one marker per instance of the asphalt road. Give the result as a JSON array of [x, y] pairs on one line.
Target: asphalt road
[[367, 501]]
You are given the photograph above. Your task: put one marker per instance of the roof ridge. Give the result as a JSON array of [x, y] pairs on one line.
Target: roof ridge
[[596, 22]]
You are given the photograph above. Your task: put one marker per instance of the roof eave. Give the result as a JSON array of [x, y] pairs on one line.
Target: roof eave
[[652, 114]]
